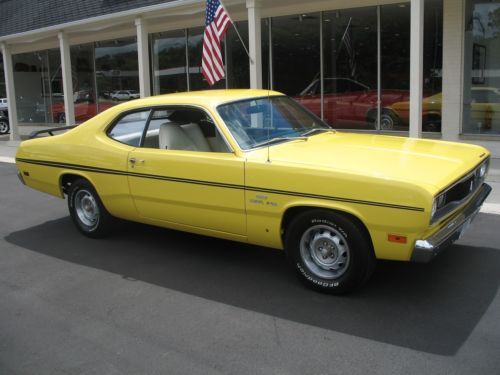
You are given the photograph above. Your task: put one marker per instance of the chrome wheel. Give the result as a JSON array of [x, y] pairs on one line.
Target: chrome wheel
[[86, 208], [4, 127], [325, 251], [386, 122]]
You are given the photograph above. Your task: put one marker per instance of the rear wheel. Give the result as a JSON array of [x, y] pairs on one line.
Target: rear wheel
[[87, 211], [329, 251]]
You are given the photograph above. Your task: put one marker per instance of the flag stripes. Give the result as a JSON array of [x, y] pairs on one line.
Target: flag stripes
[[216, 24]]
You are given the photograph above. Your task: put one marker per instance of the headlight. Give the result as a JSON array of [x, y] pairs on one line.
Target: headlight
[[438, 203], [482, 170]]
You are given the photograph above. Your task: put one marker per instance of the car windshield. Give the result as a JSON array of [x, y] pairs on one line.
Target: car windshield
[[269, 120]]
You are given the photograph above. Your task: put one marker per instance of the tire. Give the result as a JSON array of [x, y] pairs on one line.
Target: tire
[[432, 124], [87, 211], [4, 126], [388, 120], [329, 251]]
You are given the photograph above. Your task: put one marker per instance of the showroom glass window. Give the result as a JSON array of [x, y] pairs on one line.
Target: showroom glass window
[[117, 72], [177, 68], [3, 91], [38, 86], [169, 61], [350, 68], [296, 52], [84, 83], [482, 64], [236, 58], [348, 95]]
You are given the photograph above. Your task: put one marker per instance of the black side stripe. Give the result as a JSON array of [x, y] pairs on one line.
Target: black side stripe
[[215, 184]]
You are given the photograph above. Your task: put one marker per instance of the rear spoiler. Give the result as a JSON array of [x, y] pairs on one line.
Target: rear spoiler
[[50, 131]]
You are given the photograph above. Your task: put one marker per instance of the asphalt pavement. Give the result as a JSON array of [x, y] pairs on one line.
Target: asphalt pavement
[[153, 301]]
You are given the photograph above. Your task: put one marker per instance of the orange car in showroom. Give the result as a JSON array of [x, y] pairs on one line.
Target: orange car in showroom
[[484, 111]]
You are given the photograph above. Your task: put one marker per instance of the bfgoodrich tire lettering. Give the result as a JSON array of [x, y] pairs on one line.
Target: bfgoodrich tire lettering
[[329, 251], [87, 211]]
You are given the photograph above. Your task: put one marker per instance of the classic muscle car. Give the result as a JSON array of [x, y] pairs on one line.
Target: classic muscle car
[[255, 166], [483, 107], [348, 103]]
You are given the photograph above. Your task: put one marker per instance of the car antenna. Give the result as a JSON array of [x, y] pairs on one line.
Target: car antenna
[[271, 116]]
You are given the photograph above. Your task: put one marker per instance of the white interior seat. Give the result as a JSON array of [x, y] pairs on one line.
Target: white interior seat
[[194, 132], [173, 137]]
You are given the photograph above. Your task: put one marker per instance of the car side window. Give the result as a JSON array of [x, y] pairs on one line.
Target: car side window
[[129, 128], [188, 129]]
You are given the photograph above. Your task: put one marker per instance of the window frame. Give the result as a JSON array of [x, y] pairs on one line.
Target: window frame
[[154, 108]]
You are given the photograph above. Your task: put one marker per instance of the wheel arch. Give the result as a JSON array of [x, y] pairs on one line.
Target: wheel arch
[[294, 210], [67, 178]]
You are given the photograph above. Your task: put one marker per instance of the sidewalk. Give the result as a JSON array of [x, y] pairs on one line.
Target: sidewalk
[[492, 204]]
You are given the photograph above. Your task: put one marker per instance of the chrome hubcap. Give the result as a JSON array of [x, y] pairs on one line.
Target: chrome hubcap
[[4, 127], [86, 208], [325, 251], [386, 122]]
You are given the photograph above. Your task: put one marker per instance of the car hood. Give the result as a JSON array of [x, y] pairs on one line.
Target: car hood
[[429, 163]]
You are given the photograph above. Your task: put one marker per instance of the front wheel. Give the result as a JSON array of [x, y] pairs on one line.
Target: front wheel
[[87, 211], [4, 126], [329, 251]]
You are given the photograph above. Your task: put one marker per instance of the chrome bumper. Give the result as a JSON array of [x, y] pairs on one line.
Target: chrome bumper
[[426, 249]]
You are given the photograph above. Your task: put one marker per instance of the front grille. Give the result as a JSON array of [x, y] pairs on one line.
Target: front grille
[[450, 199]]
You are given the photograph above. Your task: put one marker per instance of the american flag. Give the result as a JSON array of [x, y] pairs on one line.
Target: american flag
[[346, 39], [216, 24]]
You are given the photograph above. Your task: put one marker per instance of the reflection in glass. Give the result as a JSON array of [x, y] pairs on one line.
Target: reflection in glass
[[482, 64], [38, 85], [117, 71], [3, 91], [350, 77], [169, 62], [266, 121], [236, 59], [395, 20], [82, 68], [296, 52]]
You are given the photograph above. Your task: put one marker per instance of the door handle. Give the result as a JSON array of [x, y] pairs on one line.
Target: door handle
[[134, 161]]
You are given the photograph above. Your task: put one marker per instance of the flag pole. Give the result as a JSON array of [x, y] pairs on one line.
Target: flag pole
[[239, 35]]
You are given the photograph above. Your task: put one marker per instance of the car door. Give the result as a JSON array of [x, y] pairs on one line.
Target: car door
[[180, 181]]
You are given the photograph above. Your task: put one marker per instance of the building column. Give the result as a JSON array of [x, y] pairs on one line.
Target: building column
[[453, 69], [143, 57], [11, 92], [416, 67], [67, 78], [254, 42]]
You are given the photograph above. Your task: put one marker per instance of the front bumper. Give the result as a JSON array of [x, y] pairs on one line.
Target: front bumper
[[426, 249]]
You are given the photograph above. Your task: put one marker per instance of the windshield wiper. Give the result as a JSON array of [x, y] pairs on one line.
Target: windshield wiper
[[312, 131], [279, 139]]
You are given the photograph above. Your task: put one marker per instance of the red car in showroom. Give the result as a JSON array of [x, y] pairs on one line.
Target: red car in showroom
[[348, 103], [83, 110]]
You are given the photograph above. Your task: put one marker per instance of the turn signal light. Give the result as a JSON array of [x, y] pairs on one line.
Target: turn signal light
[[396, 238]]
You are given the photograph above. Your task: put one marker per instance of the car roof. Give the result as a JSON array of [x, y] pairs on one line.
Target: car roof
[[211, 97]]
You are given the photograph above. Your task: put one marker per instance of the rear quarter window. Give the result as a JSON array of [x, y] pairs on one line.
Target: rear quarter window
[[130, 128]]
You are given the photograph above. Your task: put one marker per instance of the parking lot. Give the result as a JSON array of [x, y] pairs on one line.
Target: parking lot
[[149, 300]]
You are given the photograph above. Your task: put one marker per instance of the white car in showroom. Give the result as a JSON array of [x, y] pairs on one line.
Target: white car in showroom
[[125, 95]]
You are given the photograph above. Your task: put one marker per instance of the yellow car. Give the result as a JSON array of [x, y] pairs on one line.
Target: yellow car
[[483, 107], [256, 167]]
